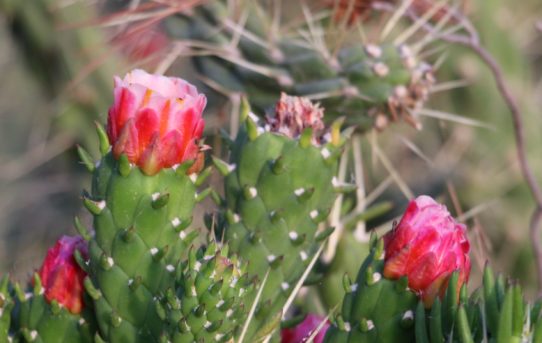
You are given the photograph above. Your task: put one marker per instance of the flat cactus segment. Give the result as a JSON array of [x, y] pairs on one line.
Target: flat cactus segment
[[370, 84], [276, 196], [208, 303], [141, 233], [37, 320], [376, 309]]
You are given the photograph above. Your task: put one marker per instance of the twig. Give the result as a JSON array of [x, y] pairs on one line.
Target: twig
[[519, 130]]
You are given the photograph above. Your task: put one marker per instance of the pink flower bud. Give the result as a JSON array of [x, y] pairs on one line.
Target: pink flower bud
[[302, 332], [427, 246], [155, 120], [61, 276]]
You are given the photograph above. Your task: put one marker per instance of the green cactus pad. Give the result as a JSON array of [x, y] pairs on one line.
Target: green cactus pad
[[141, 233], [208, 303], [375, 309], [278, 190], [37, 320]]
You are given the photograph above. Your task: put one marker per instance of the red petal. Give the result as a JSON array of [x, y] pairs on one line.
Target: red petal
[[146, 126]]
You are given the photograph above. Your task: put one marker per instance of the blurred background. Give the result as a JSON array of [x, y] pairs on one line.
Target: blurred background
[[58, 59]]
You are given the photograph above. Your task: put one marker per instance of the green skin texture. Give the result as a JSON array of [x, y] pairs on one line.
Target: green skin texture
[[384, 302], [124, 313], [307, 69], [35, 316], [219, 294], [256, 234]]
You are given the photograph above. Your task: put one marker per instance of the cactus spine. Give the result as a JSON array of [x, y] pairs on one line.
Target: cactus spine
[[141, 232], [371, 84]]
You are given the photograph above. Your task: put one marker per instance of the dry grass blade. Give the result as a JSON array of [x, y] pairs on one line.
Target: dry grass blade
[[396, 16], [446, 86], [253, 308], [407, 192], [320, 326], [335, 215], [298, 285], [473, 212], [419, 23], [452, 117], [416, 150]]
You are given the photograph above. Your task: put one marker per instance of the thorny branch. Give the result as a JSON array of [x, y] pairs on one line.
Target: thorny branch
[[472, 42]]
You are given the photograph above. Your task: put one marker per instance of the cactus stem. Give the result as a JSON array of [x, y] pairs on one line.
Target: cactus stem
[[134, 283], [203, 176], [305, 195]]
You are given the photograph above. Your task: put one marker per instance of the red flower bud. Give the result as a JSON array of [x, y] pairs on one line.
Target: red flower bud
[[61, 276], [155, 120], [303, 330], [427, 246]]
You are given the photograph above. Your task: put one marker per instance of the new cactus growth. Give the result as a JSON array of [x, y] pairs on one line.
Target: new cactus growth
[[208, 301], [370, 84], [279, 188], [142, 199]]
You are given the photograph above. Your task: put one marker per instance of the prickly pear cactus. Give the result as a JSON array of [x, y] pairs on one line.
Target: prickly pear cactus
[[140, 223], [375, 309], [208, 301], [38, 320], [279, 187], [371, 84]]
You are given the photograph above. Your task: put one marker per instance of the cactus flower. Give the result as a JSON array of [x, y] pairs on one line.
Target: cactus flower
[[61, 276], [294, 114], [302, 332], [427, 246], [155, 120]]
